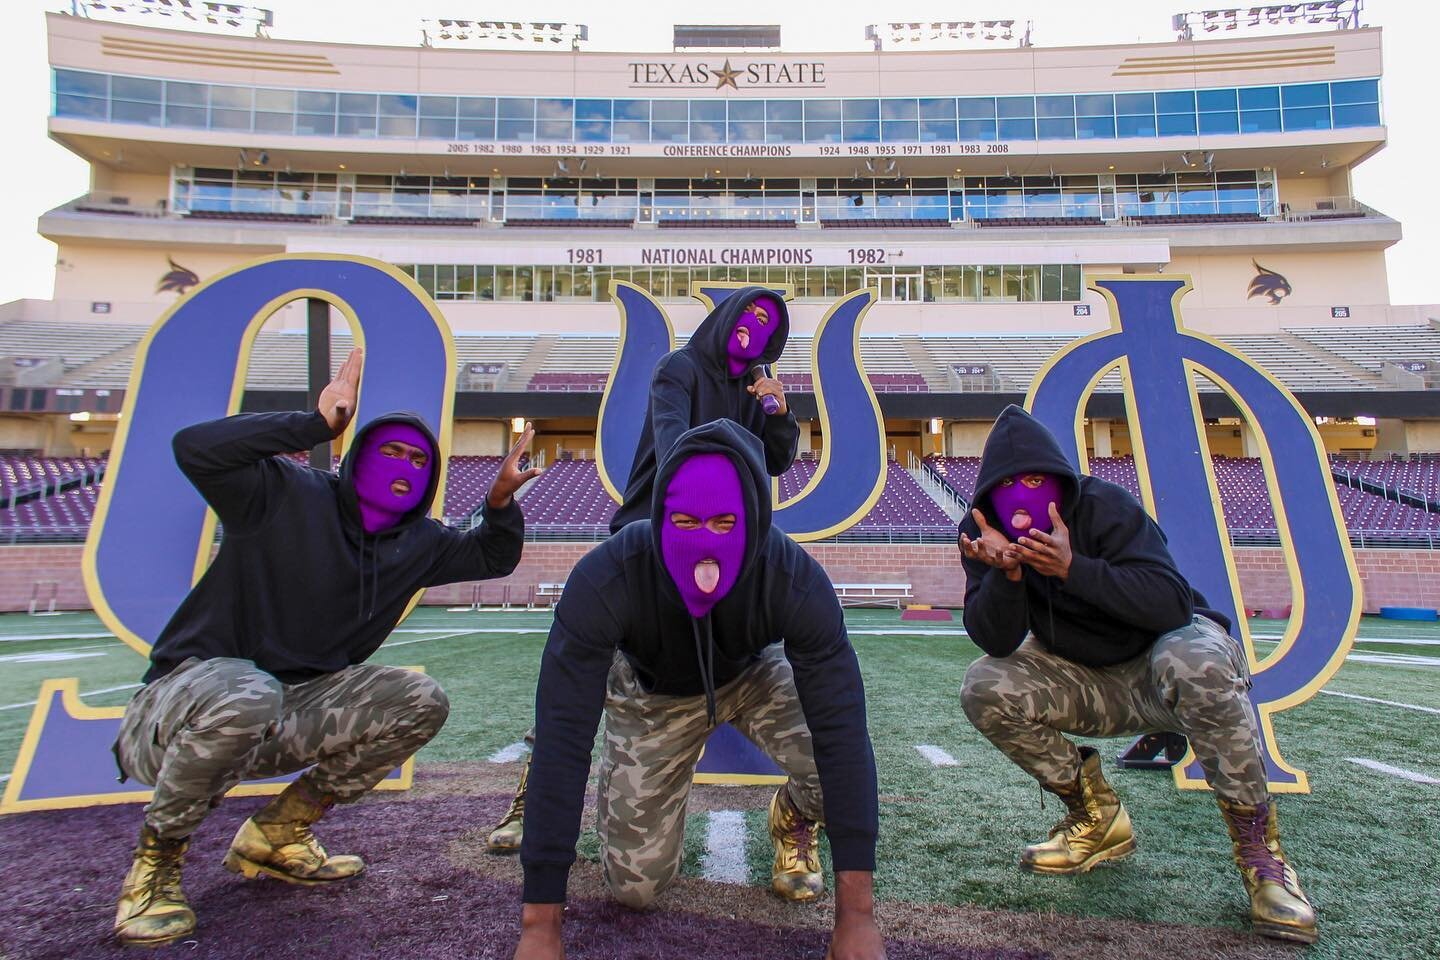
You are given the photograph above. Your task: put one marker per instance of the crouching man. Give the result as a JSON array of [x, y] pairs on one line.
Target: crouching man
[[702, 614], [1090, 629], [261, 671]]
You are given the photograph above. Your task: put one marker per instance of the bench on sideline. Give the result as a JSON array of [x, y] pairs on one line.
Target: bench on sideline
[[873, 594]]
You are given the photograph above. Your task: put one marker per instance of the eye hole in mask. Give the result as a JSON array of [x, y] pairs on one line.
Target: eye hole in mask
[[702, 533]]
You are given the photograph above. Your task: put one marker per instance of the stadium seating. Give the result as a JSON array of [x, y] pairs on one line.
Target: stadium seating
[[1178, 219], [591, 223], [253, 216], [416, 221], [1038, 222], [568, 497], [546, 381], [467, 480], [729, 224], [887, 223]]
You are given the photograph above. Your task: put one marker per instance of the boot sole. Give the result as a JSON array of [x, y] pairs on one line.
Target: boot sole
[[1118, 852], [251, 870], [502, 851], [1279, 932], [152, 944]]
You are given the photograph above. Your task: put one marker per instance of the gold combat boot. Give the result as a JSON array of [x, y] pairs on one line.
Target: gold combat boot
[[1096, 829], [1278, 907], [153, 909], [277, 841], [795, 875], [506, 836]]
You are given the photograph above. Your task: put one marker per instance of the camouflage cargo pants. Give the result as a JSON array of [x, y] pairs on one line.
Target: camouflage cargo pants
[[652, 744], [1194, 681], [209, 724]]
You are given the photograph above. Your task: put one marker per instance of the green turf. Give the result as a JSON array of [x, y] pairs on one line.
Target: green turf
[[1364, 841]]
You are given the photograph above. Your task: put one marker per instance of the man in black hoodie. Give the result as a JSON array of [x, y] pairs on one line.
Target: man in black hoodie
[[261, 672], [671, 626], [1089, 628], [712, 377]]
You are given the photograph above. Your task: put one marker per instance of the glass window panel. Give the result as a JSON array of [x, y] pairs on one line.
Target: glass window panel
[[476, 107], [592, 131], [515, 130], [822, 132], [305, 101], [1050, 288], [784, 132], [1134, 103], [673, 111], [554, 130], [862, 132], [1305, 95], [631, 131], [134, 88], [1218, 123], [1175, 101], [83, 84], [274, 122], [1015, 106], [89, 108], [670, 132], [1176, 124], [554, 109], [476, 129], [516, 108], [1093, 128], [979, 108], [1357, 115], [1355, 91], [1054, 106], [275, 101], [1135, 126], [632, 110], [1018, 129], [436, 106], [355, 126], [942, 108], [187, 94], [896, 131], [709, 111], [747, 110], [750, 132], [991, 285], [977, 129], [1094, 105], [1055, 128], [231, 98], [862, 109], [822, 110], [1212, 101], [899, 109], [358, 104], [125, 111], [1308, 118], [389, 126], [1259, 98], [436, 128], [1070, 281], [186, 116], [932, 131], [1260, 121], [592, 109]]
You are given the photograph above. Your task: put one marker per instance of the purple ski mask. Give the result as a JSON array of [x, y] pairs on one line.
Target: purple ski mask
[[703, 563], [1015, 500], [745, 351], [388, 487]]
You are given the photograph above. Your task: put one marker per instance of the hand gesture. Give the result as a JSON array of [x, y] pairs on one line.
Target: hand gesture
[[992, 548], [770, 387], [339, 399], [1047, 553], [511, 477]]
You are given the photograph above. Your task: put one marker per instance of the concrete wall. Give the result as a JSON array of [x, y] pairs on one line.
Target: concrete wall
[[1390, 577]]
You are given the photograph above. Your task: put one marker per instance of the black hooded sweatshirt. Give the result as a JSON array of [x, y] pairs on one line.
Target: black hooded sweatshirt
[[620, 597], [298, 586], [693, 385], [1123, 590]]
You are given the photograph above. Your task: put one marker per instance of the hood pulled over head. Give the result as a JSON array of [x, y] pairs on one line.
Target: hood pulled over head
[[1022, 472], [748, 328], [388, 491]]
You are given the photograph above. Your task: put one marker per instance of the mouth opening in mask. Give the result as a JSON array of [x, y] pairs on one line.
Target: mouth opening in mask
[[702, 533]]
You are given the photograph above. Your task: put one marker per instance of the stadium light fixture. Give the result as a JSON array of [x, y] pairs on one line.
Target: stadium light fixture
[[450, 32], [937, 34], [231, 16], [1344, 14]]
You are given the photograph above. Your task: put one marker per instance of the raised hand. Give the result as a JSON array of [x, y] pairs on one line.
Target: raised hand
[[339, 399], [992, 548], [769, 386], [1047, 553], [511, 477]]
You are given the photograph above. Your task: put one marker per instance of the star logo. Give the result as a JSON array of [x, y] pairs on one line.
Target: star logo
[[725, 76]]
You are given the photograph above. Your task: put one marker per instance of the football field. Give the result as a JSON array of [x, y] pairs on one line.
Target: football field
[[954, 816]]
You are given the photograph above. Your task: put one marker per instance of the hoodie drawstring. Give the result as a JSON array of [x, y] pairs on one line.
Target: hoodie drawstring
[[705, 659]]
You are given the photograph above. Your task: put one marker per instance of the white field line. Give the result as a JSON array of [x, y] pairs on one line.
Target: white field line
[[440, 636], [4, 778], [1403, 774], [59, 656], [724, 859], [20, 637], [1395, 659], [509, 754], [1388, 703], [83, 693], [450, 632], [936, 756]]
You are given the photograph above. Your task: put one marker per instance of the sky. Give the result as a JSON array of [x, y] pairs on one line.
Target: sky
[[41, 174]]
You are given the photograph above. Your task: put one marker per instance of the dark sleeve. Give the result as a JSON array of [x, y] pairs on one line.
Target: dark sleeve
[[1133, 579], [569, 700], [671, 392], [996, 614], [231, 461], [781, 435], [487, 550], [832, 694]]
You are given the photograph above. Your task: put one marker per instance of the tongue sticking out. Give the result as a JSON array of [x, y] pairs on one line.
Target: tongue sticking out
[[743, 335], [707, 575], [1021, 520]]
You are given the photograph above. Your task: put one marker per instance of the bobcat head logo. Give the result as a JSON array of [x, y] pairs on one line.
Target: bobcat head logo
[[1268, 284], [178, 279]]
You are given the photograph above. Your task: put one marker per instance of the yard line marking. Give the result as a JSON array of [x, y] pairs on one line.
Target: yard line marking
[[937, 757], [4, 778], [20, 637], [1388, 703], [1398, 641], [509, 754], [1393, 771], [58, 656], [443, 636], [466, 633], [1395, 659], [724, 860], [83, 693]]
